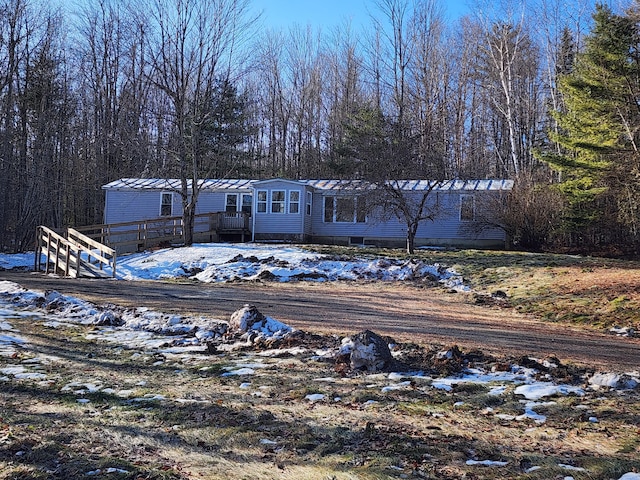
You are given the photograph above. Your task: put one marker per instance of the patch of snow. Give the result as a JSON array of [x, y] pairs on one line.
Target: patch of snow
[[537, 391], [106, 471], [571, 467], [239, 371], [81, 388], [231, 262], [623, 331], [487, 463], [630, 476], [530, 414], [614, 380], [150, 397], [396, 386], [19, 372], [315, 397], [497, 391], [280, 352]]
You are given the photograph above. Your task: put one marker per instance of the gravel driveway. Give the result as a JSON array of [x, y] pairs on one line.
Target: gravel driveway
[[408, 313]]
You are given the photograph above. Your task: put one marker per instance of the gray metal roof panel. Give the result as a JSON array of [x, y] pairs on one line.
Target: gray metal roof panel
[[322, 184]]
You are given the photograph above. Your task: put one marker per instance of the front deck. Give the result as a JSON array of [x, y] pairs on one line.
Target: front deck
[[130, 237]]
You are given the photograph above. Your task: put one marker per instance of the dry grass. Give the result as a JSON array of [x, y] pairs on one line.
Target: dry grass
[[183, 420], [590, 291]]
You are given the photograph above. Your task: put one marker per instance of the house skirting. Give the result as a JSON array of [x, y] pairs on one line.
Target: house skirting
[[402, 242]]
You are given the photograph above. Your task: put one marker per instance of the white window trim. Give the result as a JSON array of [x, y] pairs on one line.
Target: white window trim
[[324, 209], [226, 200], [264, 202], [473, 208], [283, 202], [162, 194], [241, 203], [335, 209], [290, 201], [309, 203]]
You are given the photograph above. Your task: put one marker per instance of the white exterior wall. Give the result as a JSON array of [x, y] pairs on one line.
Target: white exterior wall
[[127, 204], [133, 205], [286, 225], [446, 229]]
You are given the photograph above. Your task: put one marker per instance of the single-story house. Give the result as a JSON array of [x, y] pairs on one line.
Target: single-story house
[[317, 211]]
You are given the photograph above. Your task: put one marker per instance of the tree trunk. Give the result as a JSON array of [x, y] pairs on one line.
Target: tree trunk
[[412, 229], [188, 223]]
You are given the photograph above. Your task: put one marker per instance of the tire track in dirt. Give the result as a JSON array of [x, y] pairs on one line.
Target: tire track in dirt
[[408, 313]]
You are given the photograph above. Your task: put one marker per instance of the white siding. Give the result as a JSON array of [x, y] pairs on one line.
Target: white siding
[[139, 199], [135, 205], [272, 224], [446, 228]]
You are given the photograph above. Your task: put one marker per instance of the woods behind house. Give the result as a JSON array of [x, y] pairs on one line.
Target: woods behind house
[[545, 94]]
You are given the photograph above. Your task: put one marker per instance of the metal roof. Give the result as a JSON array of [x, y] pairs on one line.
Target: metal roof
[[416, 185], [175, 184], [323, 185]]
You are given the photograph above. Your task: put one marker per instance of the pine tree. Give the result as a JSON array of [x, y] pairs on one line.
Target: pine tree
[[595, 127]]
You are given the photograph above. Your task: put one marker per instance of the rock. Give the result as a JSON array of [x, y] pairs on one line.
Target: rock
[[247, 318], [623, 331], [257, 328], [449, 361], [109, 318], [370, 352]]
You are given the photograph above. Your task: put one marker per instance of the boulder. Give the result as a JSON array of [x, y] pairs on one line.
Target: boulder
[[247, 318], [369, 351], [251, 322]]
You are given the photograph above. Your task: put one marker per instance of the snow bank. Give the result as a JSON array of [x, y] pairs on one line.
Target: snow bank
[[16, 300], [215, 262]]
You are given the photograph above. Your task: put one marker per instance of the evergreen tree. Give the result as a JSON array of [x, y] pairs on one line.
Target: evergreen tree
[[596, 127], [222, 131]]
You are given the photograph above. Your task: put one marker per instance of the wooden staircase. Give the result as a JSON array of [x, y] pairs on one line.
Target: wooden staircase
[[74, 255]]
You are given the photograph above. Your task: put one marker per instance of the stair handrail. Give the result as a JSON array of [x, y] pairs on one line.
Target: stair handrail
[[58, 249], [100, 253]]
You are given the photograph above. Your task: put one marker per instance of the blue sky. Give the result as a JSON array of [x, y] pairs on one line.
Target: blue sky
[[327, 14]]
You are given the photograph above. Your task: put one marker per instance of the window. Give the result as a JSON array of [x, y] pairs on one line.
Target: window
[[278, 201], [361, 210], [231, 203], [344, 210], [247, 201], [309, 204], [166, 204], [261, 203], [467, 208], [294, 201], [328, 209]]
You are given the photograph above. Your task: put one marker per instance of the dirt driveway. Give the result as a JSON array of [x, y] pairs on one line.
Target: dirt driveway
[[408, 313]]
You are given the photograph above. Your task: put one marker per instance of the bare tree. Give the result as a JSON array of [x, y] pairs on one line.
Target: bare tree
[[344, 91], [193, 46], [113, 133], [13, 35], [34, 122]]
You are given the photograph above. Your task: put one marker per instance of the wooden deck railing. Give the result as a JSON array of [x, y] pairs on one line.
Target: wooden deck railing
[[75, 255], [92, 252], [143, 234]]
